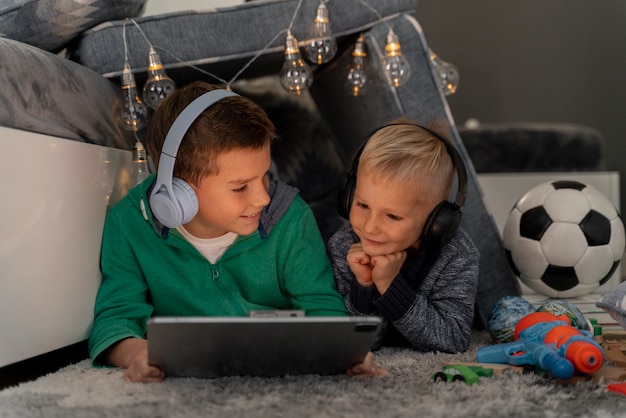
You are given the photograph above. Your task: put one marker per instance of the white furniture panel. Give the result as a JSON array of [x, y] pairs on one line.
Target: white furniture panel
[[55, 197]]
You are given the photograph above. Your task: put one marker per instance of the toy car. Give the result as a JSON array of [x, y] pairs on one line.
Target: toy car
[[462, 373]]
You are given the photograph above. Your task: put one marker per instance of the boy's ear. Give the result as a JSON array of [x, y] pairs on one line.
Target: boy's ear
[[173, 201]]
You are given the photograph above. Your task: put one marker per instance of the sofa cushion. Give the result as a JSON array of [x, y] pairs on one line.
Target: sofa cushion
[[222, 40], [66, 100], [51, 24], [533, 146]]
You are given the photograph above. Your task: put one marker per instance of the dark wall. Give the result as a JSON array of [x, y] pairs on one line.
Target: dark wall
[[537, 60]]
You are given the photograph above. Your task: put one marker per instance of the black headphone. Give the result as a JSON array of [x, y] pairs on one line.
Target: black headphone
[[173, 201], [444, 220]]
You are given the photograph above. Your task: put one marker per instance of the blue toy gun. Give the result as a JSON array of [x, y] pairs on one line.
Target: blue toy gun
[[554, 346]]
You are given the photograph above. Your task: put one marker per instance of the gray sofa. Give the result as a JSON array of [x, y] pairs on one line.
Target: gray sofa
[[320, 130]]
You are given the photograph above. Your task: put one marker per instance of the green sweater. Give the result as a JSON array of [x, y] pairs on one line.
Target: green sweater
[[149, 270]]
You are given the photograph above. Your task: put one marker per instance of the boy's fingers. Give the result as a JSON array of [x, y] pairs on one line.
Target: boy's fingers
[[367, 368]]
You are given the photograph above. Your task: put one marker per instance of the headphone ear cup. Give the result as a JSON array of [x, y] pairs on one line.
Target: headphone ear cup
[[442, 224], [345, 194], [173, 211]]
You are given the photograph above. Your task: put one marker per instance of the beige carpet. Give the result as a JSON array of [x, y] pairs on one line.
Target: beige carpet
[[81, 391]]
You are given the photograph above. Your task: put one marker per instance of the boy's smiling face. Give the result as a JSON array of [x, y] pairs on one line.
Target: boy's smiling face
[[389, 217], [232, 199]]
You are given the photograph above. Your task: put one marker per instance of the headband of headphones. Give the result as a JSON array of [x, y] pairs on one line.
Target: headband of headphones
[[457, 161], [169, 204]]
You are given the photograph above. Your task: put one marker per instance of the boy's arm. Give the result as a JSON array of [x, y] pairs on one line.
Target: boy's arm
[[358, 299], [307, 274], [120, 309], [439, 314]]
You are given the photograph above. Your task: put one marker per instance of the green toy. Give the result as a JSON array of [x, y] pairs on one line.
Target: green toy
[[462, 373]]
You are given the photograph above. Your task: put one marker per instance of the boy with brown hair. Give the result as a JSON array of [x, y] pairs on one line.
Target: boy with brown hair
[[403, 256], [211, 235]]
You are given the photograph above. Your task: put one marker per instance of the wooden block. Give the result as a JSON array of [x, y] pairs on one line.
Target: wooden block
[[605, 374]]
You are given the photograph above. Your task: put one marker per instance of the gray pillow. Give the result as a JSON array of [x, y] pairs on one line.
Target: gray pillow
[[614, 302], [48, 94], [51, 24]]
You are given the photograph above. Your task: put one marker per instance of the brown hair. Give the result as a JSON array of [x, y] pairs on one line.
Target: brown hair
[[403, 152], [231, 123]]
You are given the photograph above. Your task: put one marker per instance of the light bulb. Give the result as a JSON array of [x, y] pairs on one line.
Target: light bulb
[[447, 74], [140, 168], [159, 85], [395, 64], [357, 78], [295, 76], [134, 113], [321, 45]]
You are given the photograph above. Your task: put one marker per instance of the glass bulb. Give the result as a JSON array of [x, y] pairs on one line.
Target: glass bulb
[[140, 169], [134, 113], [321, 45], [295, 76], [357, 78], [159, 85], [447, 74], [395, 64]]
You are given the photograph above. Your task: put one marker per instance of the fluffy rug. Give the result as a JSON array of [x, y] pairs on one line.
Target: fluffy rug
[[408, 391]]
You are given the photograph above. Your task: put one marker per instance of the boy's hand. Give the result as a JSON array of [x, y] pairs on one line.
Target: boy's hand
[[140, 371], [386, 268], [360, 264], [367, 369], [132, 354]]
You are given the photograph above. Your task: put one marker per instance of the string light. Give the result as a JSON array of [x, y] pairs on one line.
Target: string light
[[140, 168], [295, 75], [395, 64], [357, 78], [321, 45], [159, 85], [447, 74], [133, 112]]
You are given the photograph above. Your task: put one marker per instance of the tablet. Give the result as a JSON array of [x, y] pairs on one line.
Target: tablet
[[209, 347]]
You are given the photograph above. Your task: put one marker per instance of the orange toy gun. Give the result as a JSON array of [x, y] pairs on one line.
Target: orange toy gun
[[550, 343]]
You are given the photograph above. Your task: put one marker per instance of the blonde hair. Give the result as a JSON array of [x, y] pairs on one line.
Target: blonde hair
[[403, 152]]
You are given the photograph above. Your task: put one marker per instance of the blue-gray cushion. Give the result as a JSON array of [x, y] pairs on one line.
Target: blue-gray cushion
[[221, 40], [48, 94], [51, 24]]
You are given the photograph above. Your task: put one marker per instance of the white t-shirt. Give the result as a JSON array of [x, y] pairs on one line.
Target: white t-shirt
[[211, 248]]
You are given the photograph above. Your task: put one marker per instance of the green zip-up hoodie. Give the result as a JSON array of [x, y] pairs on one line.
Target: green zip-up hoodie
[[150, 270]]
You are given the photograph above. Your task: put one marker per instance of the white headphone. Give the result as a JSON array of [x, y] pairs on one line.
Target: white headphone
[[172, 201]]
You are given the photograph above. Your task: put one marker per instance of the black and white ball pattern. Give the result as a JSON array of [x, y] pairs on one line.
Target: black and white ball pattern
[[564, 239]]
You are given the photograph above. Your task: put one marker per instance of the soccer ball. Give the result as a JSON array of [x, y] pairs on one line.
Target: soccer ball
[[564, 239]]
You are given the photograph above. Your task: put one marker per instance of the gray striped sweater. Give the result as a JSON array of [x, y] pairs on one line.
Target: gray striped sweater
[[430, 304]]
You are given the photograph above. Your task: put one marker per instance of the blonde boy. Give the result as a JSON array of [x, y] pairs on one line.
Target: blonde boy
[[387, 261]]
